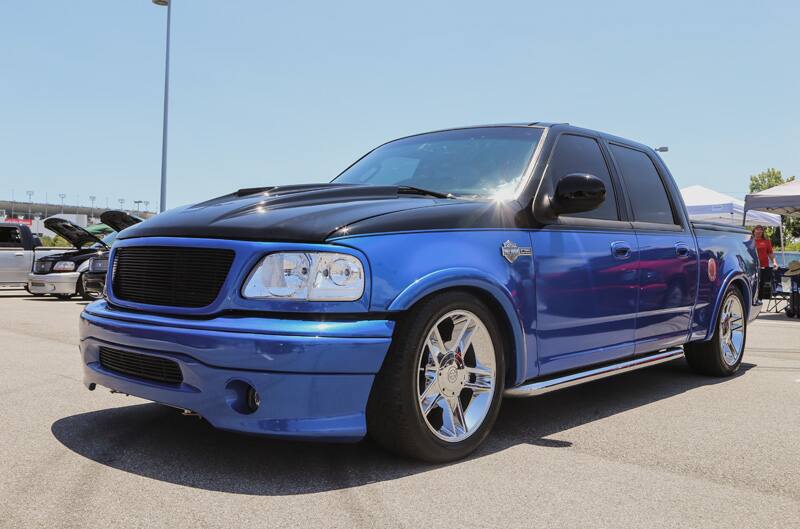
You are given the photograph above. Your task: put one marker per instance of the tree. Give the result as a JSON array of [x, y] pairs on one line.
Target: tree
[[54, 241], [770, 178], [765, 179]]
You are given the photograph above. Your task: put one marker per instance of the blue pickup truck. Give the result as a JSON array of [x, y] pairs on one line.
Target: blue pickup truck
[[437, 274]]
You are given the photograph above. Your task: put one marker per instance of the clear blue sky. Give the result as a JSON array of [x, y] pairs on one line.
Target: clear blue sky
[[284, 92]]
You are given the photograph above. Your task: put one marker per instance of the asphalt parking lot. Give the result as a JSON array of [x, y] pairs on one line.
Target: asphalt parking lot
[[660, 447]]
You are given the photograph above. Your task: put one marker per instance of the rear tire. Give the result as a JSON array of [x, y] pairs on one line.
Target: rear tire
[[438, 392], [722, 355]]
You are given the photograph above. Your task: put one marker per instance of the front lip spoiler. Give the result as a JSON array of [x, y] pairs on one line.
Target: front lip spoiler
[[541, 387]]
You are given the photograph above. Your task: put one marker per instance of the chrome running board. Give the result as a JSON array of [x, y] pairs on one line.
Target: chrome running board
[[540, 387]]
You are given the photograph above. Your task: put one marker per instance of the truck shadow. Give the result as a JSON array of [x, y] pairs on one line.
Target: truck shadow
[[53, 299], [47, 299], [156, 442]]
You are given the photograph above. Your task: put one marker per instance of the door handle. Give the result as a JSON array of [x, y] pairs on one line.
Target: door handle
[[682, 249], [19, 254], [621, 249]]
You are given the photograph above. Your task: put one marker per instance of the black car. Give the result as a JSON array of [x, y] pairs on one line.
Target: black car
[[61, 274], [94, 278]]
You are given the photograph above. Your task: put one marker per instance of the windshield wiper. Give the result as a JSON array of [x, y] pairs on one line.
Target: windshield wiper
[[411, 190]]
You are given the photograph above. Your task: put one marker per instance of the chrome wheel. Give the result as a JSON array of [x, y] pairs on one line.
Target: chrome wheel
[[731, 330], [456, 376]]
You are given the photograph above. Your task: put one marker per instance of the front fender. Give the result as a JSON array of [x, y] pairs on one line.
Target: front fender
[[465, 277]]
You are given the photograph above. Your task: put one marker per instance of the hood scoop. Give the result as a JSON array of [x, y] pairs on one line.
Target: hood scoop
[[307, 213]]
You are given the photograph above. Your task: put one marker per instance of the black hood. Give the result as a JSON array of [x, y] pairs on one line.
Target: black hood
[[74, 234], [316, 212], [300, 213], [118, 220]]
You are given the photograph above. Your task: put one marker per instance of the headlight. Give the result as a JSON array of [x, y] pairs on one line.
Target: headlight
[[64, 266], [98, 265], [42, 267], [311, 276]]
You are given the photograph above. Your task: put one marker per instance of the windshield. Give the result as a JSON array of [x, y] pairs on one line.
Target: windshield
[[487, 161], [108, 240]]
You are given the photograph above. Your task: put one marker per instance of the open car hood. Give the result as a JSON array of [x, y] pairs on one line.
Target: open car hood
[[74, 234], [118, 220]]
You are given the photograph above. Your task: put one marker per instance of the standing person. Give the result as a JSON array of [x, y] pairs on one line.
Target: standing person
[[765, 257]]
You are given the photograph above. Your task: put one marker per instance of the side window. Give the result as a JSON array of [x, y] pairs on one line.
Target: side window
[[580, 154], [10, 238], [644, 186]]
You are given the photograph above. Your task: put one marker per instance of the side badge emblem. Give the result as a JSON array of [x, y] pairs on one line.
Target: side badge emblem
[[511, 251]]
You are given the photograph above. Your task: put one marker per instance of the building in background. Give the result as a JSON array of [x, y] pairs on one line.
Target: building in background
[[81, 215]]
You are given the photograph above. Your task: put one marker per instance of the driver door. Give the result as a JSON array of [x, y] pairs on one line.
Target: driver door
[[586, 268]]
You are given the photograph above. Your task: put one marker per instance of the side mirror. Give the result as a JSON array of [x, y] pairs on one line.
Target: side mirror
[[577, 193]]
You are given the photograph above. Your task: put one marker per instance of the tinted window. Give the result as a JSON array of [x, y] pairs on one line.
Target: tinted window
[[10, 238], [579, 154], [644, 186]]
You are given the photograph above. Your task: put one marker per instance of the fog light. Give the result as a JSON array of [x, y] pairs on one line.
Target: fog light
[[253, 399], [242, 397]]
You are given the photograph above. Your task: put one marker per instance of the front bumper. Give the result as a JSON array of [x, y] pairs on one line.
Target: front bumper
[[313, 377], [54, 283]]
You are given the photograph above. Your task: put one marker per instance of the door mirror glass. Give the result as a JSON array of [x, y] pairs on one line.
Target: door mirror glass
[[577, 193]]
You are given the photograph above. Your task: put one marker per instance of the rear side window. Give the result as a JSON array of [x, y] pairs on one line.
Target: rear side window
[[645, 188], [580, 154], [10, 238]]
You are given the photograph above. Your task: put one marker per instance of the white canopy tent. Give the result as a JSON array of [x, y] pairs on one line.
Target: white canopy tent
[[783, 199], [706, 204]]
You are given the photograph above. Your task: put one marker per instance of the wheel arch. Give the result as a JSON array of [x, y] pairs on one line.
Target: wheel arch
[[738, 280], [489, 291]]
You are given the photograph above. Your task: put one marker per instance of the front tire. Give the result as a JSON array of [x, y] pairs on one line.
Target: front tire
[[82, 291], [438, 393], [722, 355]]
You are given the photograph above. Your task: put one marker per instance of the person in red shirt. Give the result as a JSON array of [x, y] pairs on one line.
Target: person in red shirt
[[764, 248], [765, 257]]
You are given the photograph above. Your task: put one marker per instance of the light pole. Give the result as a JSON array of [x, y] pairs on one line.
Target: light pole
[[662, 149], [121, 203], [92, 198], [138, 203], [30, 202], [146, 206], [62, 195], [163, 201]]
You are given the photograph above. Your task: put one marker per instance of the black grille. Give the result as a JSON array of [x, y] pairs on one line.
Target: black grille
[[168, 276], [141, 366]]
